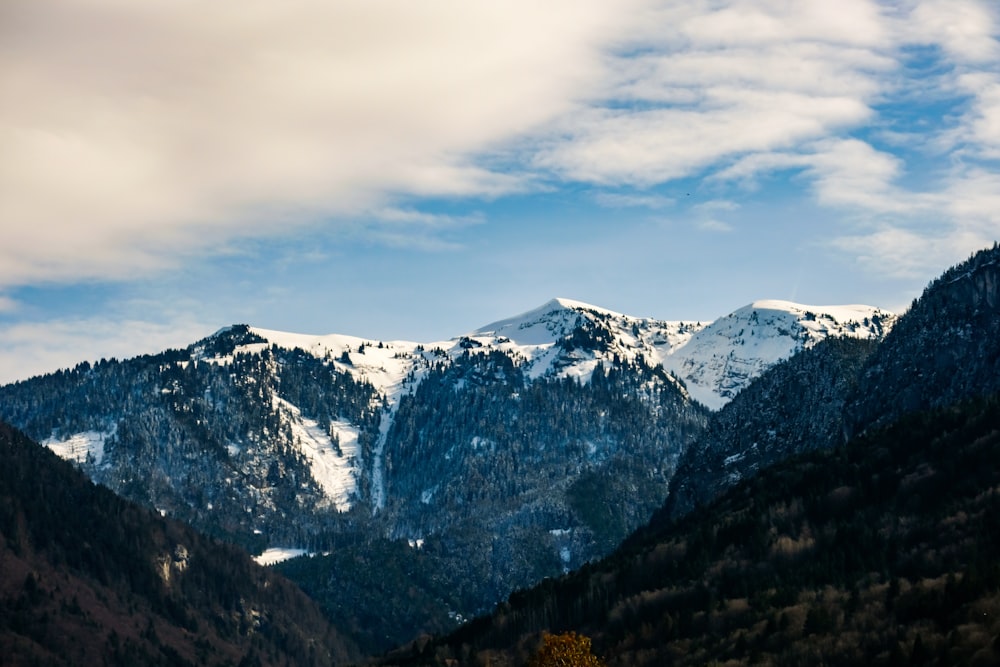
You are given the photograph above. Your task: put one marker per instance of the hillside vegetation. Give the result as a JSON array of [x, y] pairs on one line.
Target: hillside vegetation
[[91, 579], [884, 552]]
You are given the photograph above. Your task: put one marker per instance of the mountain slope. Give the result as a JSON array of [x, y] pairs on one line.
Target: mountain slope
[[719, 361], [944, 350], [883, 552], [795, 406], [88, 578], [513, 453]]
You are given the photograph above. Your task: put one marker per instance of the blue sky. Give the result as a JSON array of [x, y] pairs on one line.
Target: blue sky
[[399, 169]]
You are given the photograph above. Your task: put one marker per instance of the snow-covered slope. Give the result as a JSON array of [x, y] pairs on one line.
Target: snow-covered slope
[[564, 337], [715, 361], [549, 338], [722, 358]]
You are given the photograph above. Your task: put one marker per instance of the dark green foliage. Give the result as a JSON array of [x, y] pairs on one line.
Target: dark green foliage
[[382, 593]]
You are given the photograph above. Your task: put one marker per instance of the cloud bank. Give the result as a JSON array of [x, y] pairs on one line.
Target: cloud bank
[[137, 134], [133, 132]]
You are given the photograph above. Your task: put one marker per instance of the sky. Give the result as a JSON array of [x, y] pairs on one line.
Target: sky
[[394, 169]]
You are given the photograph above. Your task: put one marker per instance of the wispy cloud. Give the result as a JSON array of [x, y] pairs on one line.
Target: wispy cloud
[[623, 200], [717, 205], [716, 81], [713, 225], [33, 348], [410, 228]]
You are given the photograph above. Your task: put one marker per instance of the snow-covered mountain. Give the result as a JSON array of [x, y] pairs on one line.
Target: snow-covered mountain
[[513, 452], [710, 362], [720, 360], [567, 338]]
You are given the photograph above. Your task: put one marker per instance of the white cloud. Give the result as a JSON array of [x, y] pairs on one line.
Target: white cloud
[[713, 225], [899, 252], [33, 348], [842, 172], [965, 29], [619, 200], [136, 132], [717, 205], [980, 132], [716, 81]]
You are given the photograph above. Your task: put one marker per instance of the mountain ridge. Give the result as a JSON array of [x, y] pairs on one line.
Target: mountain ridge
[[686, 348], [487, 462]]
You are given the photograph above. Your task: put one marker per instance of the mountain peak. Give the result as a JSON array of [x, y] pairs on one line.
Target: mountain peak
[[541, 325], [722, 358]]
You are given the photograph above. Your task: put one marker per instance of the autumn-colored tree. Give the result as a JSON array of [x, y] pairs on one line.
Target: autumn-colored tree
[[566, 650]]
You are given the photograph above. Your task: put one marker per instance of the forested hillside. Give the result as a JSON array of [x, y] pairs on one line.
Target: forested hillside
[[881, 552], [796, 406], [89, 579], [945, 349]]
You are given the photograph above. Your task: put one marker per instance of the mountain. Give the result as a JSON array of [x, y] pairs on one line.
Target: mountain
[[795, 406], [942, 351], [89, 578], [945, 351], [882, 550], [720, 360], [714, 360], [474, 466]]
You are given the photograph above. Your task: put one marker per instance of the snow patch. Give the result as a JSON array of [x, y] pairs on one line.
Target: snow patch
[[276, 555], [79, 446], [334, 471]]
